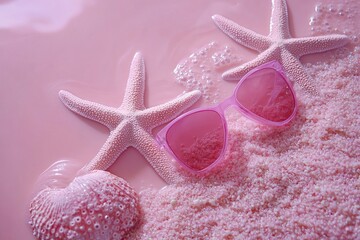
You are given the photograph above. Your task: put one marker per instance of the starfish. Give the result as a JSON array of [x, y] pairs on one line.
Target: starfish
[[131, 124], [278, 45]]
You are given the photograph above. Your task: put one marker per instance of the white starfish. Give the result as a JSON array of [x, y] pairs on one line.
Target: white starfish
[[131, 124], [278, 45]]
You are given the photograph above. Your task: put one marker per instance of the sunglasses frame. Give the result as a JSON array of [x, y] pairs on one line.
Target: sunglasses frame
[[220, 109]]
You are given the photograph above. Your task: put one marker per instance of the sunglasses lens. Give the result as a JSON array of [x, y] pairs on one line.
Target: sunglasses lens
[[198, 139], [268, 95]]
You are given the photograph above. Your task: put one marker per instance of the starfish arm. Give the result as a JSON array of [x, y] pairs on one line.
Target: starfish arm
[[94, 111], [279, 22], [308, 45], [238, 72], [157, 158], [155, 116], [116, 143], [242, 35], [296, 72], [134, 93]]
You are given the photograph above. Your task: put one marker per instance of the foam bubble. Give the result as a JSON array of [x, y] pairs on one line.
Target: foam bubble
[[202, 70], [340, 18]]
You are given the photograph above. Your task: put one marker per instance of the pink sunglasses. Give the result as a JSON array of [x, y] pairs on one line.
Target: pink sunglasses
[[198, 138]]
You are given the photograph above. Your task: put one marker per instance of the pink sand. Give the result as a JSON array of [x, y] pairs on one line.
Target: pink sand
[[296, 182], [299, 181]]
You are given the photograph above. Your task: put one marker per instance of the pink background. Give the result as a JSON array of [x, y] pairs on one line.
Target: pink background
[[86, 47]]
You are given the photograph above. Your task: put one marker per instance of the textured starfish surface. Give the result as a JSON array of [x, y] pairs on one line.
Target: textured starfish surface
[[131, 124], [278, 45]]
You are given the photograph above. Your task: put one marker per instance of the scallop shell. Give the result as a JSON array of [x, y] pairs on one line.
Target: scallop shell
[[97, 205]]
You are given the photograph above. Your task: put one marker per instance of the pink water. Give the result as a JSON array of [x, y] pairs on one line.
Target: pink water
[[86, 47]]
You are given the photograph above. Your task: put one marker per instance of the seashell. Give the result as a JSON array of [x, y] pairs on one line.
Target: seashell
[[58, 175], [96, 205]]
